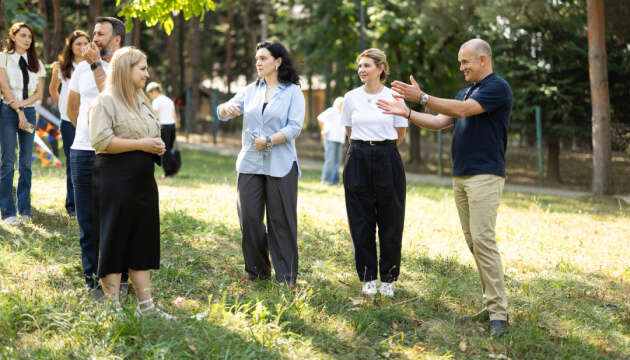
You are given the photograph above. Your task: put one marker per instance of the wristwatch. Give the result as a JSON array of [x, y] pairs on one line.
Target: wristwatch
[[21, 108], [424, 99], [95, 64], [268, 143]]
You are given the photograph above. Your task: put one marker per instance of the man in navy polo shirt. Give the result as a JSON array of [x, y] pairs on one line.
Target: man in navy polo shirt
[[480, 115]]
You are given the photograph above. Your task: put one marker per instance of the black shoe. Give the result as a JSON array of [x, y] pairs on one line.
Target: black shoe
[[483, 315], [498, 328]]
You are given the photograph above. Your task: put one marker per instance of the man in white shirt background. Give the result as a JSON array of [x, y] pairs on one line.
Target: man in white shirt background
[[87, 81], [334, 136], [165, 109]]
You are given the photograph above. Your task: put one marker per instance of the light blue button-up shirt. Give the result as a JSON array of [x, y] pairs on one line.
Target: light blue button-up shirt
[[284, 113]]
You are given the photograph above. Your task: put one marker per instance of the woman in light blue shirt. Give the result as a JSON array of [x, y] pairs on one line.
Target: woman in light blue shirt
[[267, 166]]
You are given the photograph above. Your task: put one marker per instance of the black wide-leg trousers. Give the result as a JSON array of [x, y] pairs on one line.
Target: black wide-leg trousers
[[278, 196], [375, 189]]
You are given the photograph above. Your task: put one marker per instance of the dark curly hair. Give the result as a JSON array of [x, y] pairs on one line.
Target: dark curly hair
[[287, 72], [67, 56]]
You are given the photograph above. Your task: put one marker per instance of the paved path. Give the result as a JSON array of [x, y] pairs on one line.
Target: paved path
[[422, 178]]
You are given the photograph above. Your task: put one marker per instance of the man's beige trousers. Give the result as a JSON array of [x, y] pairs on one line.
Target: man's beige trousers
[[477, 198]]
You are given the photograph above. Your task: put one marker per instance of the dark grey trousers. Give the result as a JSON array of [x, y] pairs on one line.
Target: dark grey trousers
[[279, 238]]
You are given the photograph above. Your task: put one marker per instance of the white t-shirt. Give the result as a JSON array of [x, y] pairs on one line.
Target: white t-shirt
[[63, 94], [368, 121], [333, 128], [165, 109], [10, 62], [83, 83]]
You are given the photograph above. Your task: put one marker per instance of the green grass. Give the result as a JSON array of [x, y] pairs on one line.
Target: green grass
[[567, 267]]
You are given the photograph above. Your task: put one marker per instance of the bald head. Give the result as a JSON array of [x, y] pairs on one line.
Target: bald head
[[480, 47], [475, 58]]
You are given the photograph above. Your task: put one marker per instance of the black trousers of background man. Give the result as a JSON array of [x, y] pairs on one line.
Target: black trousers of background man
[[279, 196], [375, 188]]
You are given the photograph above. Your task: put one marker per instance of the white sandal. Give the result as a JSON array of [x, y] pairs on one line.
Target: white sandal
[[152, 310]]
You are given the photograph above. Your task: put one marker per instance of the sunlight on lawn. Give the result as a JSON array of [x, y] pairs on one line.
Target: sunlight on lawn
[[567, 267]]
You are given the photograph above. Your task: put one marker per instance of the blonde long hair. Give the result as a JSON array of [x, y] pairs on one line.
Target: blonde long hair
[[119, 82]]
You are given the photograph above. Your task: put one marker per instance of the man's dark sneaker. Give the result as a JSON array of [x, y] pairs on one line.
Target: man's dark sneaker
[[483, 315], [498, 328]]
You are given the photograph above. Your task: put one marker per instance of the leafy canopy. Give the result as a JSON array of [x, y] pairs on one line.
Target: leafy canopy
[[153, 12]]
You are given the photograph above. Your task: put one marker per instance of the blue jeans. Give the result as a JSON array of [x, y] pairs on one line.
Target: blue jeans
[[81, 163], [67, 136], [10, 136], [332, 160]]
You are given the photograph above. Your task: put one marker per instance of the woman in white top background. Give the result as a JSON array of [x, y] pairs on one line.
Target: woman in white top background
[[374, 176], [69, 58], [22, 78]]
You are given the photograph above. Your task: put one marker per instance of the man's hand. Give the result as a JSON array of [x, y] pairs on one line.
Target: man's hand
[[409, 92], [91, 53], [261, 142], [394, 107], [153, 145]]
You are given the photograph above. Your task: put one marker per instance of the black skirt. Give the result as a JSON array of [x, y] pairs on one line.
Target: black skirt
[[127, 218]]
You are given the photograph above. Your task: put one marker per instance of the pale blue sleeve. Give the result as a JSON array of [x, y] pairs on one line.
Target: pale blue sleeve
[[296, 112], [238, 99]]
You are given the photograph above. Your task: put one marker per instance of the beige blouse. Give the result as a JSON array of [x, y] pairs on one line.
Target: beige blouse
[[109, 117]]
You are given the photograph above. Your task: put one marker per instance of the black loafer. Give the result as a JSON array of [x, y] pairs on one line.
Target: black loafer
[[498, 327]]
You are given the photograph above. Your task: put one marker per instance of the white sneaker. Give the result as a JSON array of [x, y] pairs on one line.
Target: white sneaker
[[387, 289], [25, 219], [12, 220], [369, 287]]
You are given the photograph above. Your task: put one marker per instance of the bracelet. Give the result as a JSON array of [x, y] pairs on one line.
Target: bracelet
[[409, 115]]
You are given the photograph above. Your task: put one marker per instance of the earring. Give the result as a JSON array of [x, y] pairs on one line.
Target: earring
[[277, 67]]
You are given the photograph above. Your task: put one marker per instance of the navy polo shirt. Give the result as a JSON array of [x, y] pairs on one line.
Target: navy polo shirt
[[480, 141]]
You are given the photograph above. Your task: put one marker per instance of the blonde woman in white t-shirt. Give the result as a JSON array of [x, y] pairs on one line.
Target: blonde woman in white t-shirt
[[22, 78], [69, 59], [374, 176]]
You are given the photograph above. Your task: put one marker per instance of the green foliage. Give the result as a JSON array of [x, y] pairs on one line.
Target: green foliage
[[154, 12], [22, 11]]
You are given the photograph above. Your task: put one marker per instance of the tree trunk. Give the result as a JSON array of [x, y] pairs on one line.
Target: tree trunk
[[172, 62], [45, 30], [414, 145], [598, 73], [247, 15], [264, 22], [96, 10], [57, 41], [137, 27], [228, 49], [3, 19], [182, 69], [553, 160], [194, 34]]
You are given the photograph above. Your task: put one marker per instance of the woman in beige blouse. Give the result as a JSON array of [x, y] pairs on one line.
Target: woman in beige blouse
[[126, 136]]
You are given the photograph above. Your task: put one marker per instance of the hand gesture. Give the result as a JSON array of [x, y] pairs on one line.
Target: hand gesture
[[409, 92], [394, 107], [23, 124], [153, 145], [230, 110], [261, 142], [91, 53]]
